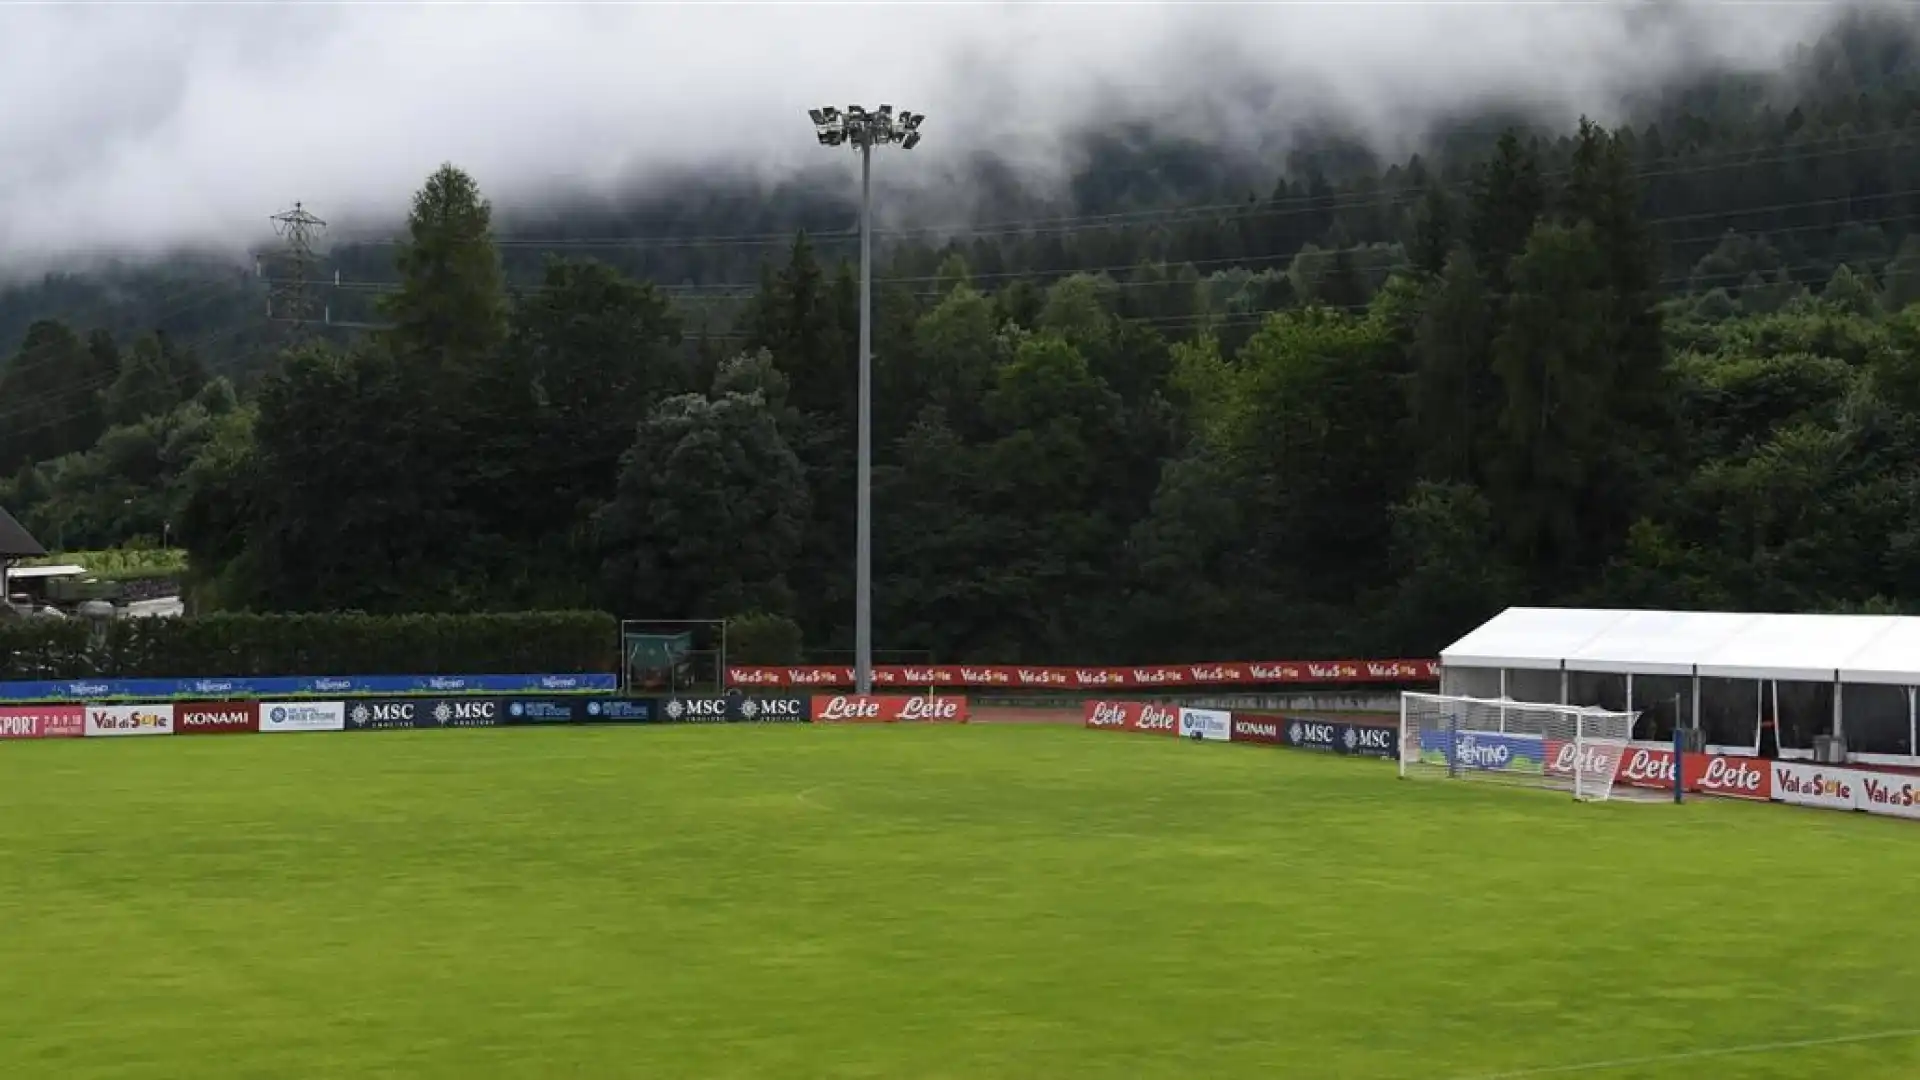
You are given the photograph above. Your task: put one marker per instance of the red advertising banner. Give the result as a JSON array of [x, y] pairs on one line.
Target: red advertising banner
[[1652, 767], [888, 709], [1138, 716], [1257, 729], [43, 721], [1278, 672], [216, 718]]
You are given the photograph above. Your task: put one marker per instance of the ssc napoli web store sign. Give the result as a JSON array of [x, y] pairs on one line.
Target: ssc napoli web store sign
[[283, 716], [620, 710]]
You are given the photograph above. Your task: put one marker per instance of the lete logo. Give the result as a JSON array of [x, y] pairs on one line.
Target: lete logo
[[1158, 720], [1107, 714], [841, 709]]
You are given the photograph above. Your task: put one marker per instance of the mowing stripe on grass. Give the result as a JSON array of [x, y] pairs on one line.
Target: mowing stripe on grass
[[1691, 1055]]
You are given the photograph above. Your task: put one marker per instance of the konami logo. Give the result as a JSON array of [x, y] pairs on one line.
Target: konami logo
[[217, 718], [1257, 731]]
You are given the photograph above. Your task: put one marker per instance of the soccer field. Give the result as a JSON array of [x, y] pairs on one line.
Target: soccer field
[[917, 902]]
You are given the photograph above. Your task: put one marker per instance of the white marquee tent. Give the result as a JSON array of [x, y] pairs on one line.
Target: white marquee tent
[[1740, 678]]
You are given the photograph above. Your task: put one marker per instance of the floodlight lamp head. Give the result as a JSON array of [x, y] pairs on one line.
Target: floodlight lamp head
[[819, 118], [912, 140]]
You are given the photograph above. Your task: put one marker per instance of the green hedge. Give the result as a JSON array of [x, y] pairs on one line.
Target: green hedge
[[556, 642], [43, 648]]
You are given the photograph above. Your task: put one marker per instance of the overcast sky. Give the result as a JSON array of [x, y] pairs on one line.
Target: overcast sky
[[134, 128]]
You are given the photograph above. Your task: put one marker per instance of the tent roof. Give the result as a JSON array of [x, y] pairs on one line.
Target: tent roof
[[15, 541], [1812, 648]]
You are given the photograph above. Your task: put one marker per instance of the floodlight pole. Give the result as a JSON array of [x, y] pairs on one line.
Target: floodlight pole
[[864, 129], [863, 545]]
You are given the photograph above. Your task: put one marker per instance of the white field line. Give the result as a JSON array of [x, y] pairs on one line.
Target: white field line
[[1695, 1055]]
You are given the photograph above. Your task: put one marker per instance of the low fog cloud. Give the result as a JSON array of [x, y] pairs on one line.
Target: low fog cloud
[[134, 129]]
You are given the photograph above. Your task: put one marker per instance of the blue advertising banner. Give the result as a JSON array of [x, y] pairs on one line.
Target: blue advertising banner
[[1339, 737], [773, 710], [614, 710], [1488, 751], [546, 710], [304, 686]]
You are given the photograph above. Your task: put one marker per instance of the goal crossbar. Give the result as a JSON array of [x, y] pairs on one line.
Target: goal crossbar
[[1528, 744]]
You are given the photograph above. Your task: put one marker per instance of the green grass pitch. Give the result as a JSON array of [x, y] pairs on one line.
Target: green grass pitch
[[937, 902]]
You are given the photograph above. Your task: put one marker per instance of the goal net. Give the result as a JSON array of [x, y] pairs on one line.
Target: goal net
[[1528, 744]]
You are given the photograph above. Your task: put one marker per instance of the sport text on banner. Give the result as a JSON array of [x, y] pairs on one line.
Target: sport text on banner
[[1155, 676], [43, 722]]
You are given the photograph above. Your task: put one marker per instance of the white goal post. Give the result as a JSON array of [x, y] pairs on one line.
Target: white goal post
[[1527, 744]]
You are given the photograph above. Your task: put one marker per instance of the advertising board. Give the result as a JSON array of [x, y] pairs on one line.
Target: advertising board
[[888, 709], [1258, 729], [1341, 737], [129, 720], [1891, 794], [773, 710], [567, 710], [43, 722], [1821, 786], [390, 714], [216, 717], [695, 710], [1206, 725], [1650, 765], [1487, 751], [1370, 740], [621, 710], [902, 677], [286, 716], [278, 687]]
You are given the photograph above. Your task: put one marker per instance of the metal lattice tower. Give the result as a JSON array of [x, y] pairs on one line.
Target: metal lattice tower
[[293, 299]]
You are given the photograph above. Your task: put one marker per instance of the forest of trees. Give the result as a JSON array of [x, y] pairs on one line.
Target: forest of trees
[[1675, 363]]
